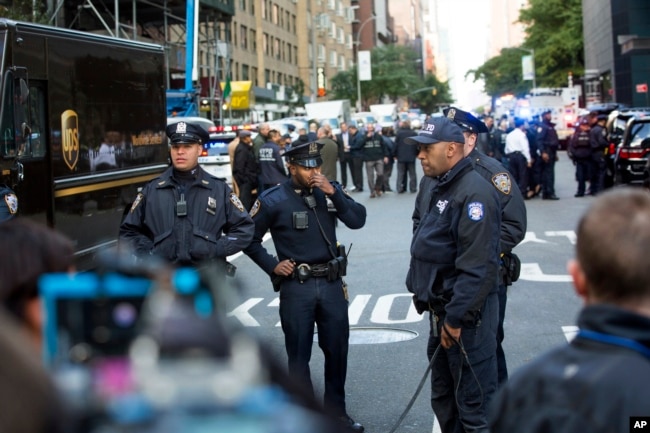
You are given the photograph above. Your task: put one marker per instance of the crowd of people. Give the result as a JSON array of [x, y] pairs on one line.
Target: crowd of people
[[469, 215]]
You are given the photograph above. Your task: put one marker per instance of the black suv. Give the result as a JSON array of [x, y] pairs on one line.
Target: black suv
[[626, 156], [629, 135]]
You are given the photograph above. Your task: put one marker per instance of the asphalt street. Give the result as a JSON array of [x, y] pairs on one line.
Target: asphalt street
[[388, 339]]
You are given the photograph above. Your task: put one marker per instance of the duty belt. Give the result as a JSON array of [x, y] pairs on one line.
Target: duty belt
[[320, 270]]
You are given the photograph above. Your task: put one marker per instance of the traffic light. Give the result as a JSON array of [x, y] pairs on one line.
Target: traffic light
[[321, 91]]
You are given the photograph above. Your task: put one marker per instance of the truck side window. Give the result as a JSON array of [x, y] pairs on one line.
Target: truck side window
[[37, 119], [7, 133]]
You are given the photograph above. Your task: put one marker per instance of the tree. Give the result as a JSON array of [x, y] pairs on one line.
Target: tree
[[433, 95], [554, 32], [23, 10]]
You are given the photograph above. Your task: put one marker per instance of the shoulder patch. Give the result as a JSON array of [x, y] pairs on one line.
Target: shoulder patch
[[136, 202], [237, 202], [12, 203], [502, 182], [475, 211], [255, 208]]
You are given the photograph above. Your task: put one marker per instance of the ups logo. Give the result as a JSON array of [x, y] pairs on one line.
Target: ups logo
[[70, 138]]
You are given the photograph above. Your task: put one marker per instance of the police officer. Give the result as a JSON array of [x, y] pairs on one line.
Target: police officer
[[9, 203], [301, 215], [598, 142], [548, 144], [453, 275], [186, 216]]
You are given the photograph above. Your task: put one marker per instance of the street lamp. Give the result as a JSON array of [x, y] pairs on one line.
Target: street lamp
[[357, 43]]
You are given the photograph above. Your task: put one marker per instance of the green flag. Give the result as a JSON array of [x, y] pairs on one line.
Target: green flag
[[227, 90]]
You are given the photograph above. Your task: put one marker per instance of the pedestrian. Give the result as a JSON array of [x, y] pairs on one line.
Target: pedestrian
[[312, 135], [185, 216], [302, 137], [406, 155], [485, 138], [388, 136], [599, 144], [8, 204], [598, 382], [309, 267], [345, 160], [453, 275], [245, 169], [375, 155], [518, 154], [329, 153], [272, 168], [548, 144], [261, 138], [579, 151], [535, 171], [499, 142], [356, 152]]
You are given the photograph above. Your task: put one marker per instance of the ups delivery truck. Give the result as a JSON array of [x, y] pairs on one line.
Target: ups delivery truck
[[82, 128]]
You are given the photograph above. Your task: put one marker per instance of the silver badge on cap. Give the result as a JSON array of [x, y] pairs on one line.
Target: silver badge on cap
[[181, 128], [313, 148], [451, 114]]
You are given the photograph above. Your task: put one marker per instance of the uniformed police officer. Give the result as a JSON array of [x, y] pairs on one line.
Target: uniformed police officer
[[513, 213], [598, 142], [453, 275], [186, 216], [548, 144], [301, 215], [8, 204]]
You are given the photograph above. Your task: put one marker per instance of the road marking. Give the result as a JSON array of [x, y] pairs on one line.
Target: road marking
[[532, 237], [569, 234], [533, 272]]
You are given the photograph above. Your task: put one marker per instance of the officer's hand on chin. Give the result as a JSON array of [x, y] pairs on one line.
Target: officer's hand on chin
[[317, 180], [449, 336]]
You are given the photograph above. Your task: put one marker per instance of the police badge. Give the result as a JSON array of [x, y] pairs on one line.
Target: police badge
[[502, 182]]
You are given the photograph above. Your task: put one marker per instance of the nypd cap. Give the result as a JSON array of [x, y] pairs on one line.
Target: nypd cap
[[307, 155], [186, 133], [437, 130], [465, 120]]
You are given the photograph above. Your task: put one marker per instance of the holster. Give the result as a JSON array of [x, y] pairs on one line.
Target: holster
[[511, 268]]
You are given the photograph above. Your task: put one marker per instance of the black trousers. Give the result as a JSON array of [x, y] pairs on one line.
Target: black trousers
[[404, 170], [322, 302], [345, 163], [357, 172], [519, 169]]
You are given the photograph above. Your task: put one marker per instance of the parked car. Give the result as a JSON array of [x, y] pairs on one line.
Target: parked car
[[629, 134]]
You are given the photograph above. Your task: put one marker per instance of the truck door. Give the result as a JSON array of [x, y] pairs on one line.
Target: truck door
[[24, 146]]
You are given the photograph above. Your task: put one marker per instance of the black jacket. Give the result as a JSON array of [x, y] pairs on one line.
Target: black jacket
[[547, 140], [245, 168], [216, 224], [455, 246], [405, 152], [585, 386]]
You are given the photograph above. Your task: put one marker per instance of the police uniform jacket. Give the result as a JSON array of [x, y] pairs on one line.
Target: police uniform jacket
[[514, 218], [598, 139], [216, 225], [272, 170], [580, 146], [455, 247], [547, 140], [585, 386], [275, 209]]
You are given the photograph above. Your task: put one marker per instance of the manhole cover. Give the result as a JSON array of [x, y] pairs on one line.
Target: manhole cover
[[378, 335]]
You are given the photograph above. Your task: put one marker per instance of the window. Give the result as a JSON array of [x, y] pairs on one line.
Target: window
[[321, 53], [253, 40], [234, 33], [341, 62], [245, 74], [254, 74], [333, 59], [275, 17], [340, 36], [288, 20], [267, 76], [265, 41], [242, 5], [276, 48], [243, 31], [289, 53]]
